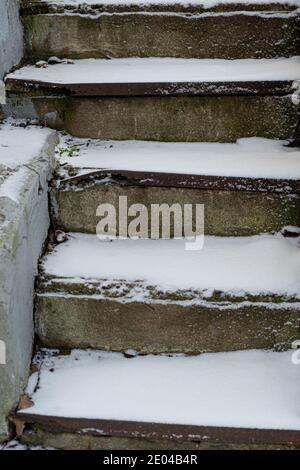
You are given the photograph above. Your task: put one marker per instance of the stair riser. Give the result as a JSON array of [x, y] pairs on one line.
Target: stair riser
[[226, 213], [175, 118], [74, 322], [231, 36]]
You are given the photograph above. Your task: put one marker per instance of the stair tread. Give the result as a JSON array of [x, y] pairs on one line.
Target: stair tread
[[243, 389], [162, 70], [247, 158], [258, 265]]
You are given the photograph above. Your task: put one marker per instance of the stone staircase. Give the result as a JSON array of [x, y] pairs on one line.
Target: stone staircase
[[195, 106]]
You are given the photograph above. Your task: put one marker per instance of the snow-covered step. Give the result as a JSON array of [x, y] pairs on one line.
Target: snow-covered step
[[108, 396], [161, 28], [231, 180], [155, 296], [159, 72], [253, 158], [163, 99]]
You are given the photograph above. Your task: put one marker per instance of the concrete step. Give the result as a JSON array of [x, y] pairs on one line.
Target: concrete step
[[246, 188], [162, 99], [97, 400], [158, 296], [176, 29]]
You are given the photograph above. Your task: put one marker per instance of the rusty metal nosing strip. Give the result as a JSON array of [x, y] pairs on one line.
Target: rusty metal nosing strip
[[175, 180], [179, 432], [258, 88]]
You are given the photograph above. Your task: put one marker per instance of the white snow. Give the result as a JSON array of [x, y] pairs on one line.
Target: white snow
[[12, 185], [253, 158], [18, 145], [203, 3], [255, 389], [17, 445], [146, 70], [256, 265]]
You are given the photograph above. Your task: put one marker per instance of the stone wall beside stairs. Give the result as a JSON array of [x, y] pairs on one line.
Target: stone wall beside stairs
[[11, 36], [24, 223]]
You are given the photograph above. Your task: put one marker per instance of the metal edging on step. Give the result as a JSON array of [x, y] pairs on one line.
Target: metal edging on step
[[174, 432], [175, 180], [256, 88]]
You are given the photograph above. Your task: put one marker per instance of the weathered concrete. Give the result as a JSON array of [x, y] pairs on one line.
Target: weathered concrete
[[162, 34], [68, 441], [94, 8], [178, 118], [24, 223], [78, 320], [11, 36], [227, 213]]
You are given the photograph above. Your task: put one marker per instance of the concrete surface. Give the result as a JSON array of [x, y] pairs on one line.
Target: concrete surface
[[227, 213], [24, 222], [11, 36], [163, 35], [82, 321]]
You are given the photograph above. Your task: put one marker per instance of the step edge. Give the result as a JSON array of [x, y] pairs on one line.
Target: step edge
[[124, 291], [179, 180], [31, 7], [192, 88], [175, 432]]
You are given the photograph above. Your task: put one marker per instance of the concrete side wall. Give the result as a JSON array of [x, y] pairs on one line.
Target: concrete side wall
[[11, 35], [23, 229]]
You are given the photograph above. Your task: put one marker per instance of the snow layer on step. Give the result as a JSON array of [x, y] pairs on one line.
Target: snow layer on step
[[255, 389], [203, 3], [159, 70], [18, 145], [253, 158], [259, 264]]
